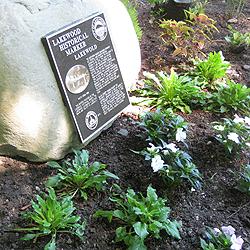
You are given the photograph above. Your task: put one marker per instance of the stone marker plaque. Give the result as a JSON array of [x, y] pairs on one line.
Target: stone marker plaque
[[86, 68]]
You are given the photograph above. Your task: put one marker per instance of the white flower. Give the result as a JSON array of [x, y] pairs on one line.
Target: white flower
[[153, 149], [238, 119], [219, 127], [236, 242], [247, 120], [172, 147], [233, 137], [157, 163], [180, 135], [217, 231], [151, 77], [228, 230]]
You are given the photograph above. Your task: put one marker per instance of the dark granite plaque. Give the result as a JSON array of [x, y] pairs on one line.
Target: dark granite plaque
[[86, 68]]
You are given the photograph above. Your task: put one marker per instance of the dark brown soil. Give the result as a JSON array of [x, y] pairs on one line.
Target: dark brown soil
[[217, 203]]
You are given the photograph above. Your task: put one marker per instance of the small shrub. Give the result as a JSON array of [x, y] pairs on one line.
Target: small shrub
[[173, 164], [163, 125], [230, 97], [244, 180], [233, 134], [141, 217], [171, 91], [198, 7], [79, 176], [50, 217], [188, 37], [211, 69], [238, 41], [224, 239]]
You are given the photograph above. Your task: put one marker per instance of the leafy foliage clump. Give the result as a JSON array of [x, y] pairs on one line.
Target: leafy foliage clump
[[211, 69], [162, 125], [172, 91], [188, 37], [78, 176], [233, 134], [230, 97], [173, 164], [50, 217], [141, 217]]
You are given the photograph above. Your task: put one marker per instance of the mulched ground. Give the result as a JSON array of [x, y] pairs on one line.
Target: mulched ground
[[217, 203]]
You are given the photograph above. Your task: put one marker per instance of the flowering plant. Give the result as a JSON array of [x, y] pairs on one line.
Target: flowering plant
[[173, 164], [234, 134], [164, 125], [224, 239], [140, 217]]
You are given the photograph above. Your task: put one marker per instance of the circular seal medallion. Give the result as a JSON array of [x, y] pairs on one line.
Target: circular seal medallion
[[99, 28], [77, 79], [91, 120]]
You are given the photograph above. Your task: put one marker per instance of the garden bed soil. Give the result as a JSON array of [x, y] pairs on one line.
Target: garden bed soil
[[217, 203]]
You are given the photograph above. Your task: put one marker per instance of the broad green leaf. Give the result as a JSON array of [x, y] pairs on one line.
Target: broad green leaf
[[121, 234], [29, 237], [107, 173], [53, 181], [51, 245], [141, 229], [151, 194], [106, 214], [135, 243], [172, 228]]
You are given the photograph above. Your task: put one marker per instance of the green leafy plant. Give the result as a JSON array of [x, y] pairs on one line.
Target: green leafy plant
[[131, 8], [211, 69], [171, 91], [238, 41], [188, 37], [198, 7], [173, 164], [234, 134], [141, 217], [163, 125], [78, 176], [51, 216], [224, 239], [230, 97], [244, 180], [235, 7]]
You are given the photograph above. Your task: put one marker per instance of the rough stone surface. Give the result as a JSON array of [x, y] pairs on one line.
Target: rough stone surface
[[34, 122]]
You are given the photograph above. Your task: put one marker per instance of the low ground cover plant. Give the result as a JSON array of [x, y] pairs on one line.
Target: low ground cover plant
[[173, 164], [224, 239], [79, 176], [230, 97], [50, 216], [211, 69], [234, 134], [163, 125], [190, 36], [238, 41], [244, 180], [171, 91], [140, 217]]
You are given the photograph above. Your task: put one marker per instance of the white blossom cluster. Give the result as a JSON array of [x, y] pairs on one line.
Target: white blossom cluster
[[237, 242]]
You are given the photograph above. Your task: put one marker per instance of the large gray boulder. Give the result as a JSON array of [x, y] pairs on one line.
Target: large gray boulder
[[34, 123]]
